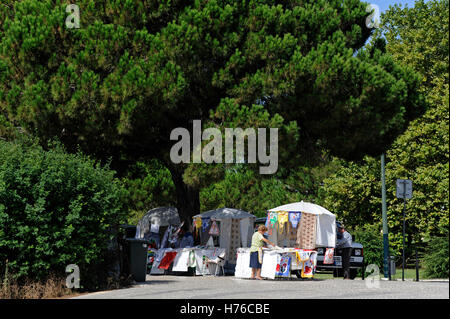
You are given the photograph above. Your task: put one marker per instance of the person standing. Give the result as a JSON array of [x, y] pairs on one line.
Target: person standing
[[258, 241], [344, 242]]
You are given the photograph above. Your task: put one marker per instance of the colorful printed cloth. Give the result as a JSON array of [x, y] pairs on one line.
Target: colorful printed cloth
[[167, 259], [205, 224], [214, 230], [284, 266], [294, 218], [302, 255], [197, 224], [283, 218], [273, 219], [309, 266], [329, 254]]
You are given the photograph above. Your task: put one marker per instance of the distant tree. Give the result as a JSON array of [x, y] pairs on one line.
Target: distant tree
[[417, 37]]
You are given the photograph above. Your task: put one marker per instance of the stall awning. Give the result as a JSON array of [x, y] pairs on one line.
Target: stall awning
[[225, 213], [326, 221]]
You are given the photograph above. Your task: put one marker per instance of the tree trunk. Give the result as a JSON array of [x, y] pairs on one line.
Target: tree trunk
[[188, 198]]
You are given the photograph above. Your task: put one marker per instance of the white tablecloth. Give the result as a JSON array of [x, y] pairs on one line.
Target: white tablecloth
[[271, 258], [182, 260]]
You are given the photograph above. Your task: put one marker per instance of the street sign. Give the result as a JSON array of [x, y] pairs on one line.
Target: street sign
[[404, 188]]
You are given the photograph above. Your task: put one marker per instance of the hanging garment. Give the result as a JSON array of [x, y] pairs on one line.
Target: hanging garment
[[283, 219], [294, 218], [205, 224], [268, 224], [273, 219], [210, 242], [306, 233], [197, 225], [235, 240], [154, 228], [329, 254], [173, 234], [167, 259], [164, 242], [214, 230]]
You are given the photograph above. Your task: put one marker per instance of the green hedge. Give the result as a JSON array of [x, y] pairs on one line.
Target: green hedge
[[56, 209], [436, 259]]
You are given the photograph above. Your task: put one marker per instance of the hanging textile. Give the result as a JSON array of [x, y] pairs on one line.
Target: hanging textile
[[210, 242], [302, 255], [197, 225], [192, 260], [283, 219], [205, 224], [309, 266], [268, 224], [245, 231], [306, 233], [165, 238], [273, 219], [154, 228], [329, 256], [294, 219], [235, 240], [284, 266], [214, 230], [167, 259], [224, 237]]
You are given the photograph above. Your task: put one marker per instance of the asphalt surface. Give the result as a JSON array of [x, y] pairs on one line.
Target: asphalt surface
[[229, 287]]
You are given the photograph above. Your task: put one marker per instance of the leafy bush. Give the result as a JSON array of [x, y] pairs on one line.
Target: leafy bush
[[371, 237], [56, 209], [436, 258]]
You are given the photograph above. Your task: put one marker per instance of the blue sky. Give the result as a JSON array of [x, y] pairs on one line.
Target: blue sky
[[384, 4]]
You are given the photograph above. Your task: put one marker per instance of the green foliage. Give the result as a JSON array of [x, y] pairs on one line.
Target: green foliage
[[149, 185], [417, 37], [243, 188], [55, 209], [436, 260], [371, 237]]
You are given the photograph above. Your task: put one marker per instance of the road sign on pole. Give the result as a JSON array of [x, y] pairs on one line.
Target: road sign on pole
[[404, 190], [386, 268]]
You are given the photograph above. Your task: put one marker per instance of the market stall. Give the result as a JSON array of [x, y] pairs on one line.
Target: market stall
[[203, 260], [227, 228], [297, 229], [219, 233]]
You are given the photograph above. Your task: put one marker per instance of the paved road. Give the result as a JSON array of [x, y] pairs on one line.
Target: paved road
[[209, 287]]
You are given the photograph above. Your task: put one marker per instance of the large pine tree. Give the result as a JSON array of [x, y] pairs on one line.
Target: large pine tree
[[137, 69]]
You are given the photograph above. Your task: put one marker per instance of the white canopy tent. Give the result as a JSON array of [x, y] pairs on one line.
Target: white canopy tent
[[325, 225], [159, 217], [236, 228]]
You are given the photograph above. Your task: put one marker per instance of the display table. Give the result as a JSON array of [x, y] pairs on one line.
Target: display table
[[195, 257], [278, 262]]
